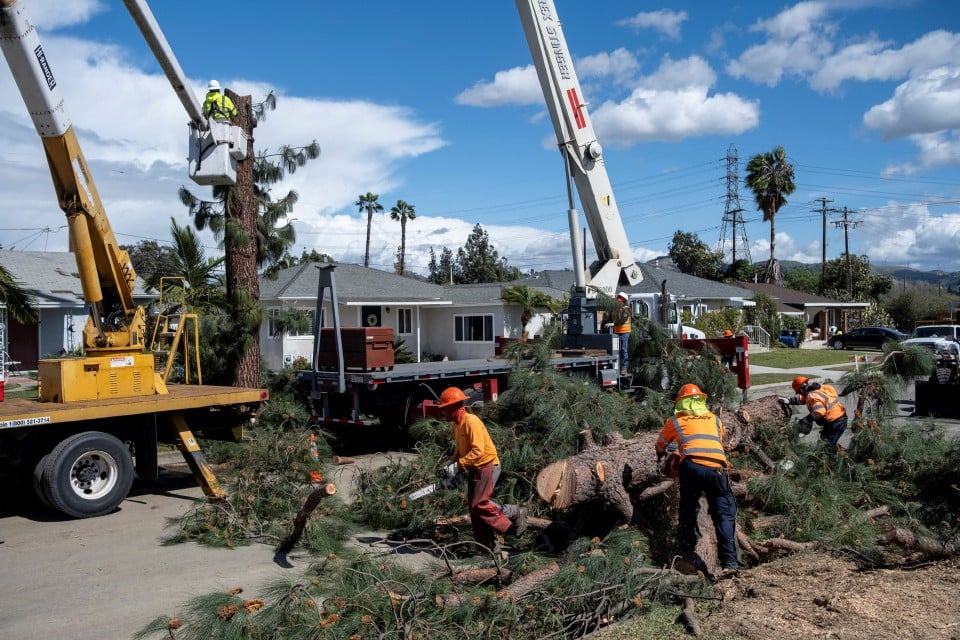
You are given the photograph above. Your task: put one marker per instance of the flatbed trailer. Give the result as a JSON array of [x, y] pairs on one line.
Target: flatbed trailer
[[83, 455], [410, 390]]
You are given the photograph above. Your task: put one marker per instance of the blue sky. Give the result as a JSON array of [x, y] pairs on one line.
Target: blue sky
[[436, 103]]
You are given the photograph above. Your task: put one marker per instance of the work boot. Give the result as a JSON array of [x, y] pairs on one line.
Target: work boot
[[518, 516]]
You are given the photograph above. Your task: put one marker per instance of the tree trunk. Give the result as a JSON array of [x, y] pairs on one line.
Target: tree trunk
[[240, 245], [622, 476], [366, 253]]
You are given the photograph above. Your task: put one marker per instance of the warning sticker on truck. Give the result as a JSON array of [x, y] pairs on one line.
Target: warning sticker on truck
[[24, 422], [121, 361]]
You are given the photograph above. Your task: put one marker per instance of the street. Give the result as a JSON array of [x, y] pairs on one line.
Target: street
[[108, 577]]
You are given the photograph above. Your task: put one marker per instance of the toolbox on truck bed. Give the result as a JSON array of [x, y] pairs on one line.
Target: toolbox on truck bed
[[364, 348]]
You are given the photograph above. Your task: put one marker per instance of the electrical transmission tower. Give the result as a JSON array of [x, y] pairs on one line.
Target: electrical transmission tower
[[733, 214]]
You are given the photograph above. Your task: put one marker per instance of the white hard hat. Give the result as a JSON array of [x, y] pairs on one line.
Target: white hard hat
[[622, 295], [213, 86]]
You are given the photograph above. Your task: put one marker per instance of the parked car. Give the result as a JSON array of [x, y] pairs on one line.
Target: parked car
[[866, 338]]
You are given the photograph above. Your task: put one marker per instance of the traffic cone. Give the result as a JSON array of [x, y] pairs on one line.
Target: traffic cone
[[315, 476]]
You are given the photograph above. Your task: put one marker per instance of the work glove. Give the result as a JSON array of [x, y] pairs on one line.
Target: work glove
[[448, 472], [805, 426], [784, 401]]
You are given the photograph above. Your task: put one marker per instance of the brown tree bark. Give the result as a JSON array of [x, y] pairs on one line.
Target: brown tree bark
[[521, 587], [240, 245], [300, 521]]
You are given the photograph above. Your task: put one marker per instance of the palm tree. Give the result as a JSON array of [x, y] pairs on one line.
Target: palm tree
[[529, 300], [369, 203], [770, 177], [18, 301], [402, 211], [202, 276]]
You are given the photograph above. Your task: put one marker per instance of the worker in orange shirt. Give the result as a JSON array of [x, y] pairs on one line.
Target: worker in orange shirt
[[476, 454]]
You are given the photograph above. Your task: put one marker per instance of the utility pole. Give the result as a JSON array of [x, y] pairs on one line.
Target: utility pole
[[846, 223], [823, 259], [732, 212]]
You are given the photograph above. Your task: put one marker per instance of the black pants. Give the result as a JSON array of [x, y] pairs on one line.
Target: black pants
[[697, 480], [831, 431]]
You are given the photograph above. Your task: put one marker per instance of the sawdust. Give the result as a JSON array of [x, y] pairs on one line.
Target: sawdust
[[817, 595]]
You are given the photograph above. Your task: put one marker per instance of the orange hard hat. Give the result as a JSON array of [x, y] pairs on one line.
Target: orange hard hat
[[689, 390], [451, 396], [727, 333], [798, 382]]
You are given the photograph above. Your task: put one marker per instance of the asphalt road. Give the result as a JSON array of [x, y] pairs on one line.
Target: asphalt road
[[106, 578]]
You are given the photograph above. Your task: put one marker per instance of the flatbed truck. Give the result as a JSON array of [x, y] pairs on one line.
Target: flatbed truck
[[365, 391], [97, 419]]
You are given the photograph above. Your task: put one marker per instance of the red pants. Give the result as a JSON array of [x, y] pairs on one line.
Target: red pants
[[485, 516]]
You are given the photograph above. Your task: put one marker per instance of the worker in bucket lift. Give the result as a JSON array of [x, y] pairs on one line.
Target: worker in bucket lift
[[702, 471], [217, 104], [475, 453], [823, 405]]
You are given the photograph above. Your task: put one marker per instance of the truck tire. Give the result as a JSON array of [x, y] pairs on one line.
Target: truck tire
[[87, 475], [38, 481]]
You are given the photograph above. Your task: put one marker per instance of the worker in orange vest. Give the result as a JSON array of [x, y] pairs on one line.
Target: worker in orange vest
[[703, 471], [622, 329], [824, 407]]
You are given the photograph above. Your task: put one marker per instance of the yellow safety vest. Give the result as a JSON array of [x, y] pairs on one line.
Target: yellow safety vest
[[219, 106]]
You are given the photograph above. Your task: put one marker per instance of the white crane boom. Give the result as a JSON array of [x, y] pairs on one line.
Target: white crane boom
[[582, 154], [214, 146]]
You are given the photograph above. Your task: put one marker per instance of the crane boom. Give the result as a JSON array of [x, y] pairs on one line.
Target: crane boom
[[583, 155], [107, 276], [157, 42], [214, 146]]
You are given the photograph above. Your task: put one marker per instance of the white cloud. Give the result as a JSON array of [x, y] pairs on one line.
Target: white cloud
[[767, 63], [513, 86], [936, 150], [876, 60], [926, 103], [619, 64], [919, 239], [524, 247], [132, 130], [54, 14], [793, 22], [674, 103], [664, 20], [787, 249]]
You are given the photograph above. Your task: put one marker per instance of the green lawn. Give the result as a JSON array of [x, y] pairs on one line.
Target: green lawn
[[794, 358]]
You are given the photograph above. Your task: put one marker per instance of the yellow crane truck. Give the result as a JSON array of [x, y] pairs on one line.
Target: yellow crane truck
[[97, 419]]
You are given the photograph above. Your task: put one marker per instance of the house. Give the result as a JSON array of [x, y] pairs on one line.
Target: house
[[816, 312], [53, 280], [441, 321]]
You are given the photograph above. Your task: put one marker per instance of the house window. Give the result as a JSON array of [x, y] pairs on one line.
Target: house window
[[404, 321], [478, 328], [279, 323]]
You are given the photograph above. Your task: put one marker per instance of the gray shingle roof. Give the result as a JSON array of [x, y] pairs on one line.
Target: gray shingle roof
[[354, 284], [51, 277], [677, 283]]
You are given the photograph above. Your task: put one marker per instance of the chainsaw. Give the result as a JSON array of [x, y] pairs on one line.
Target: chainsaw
[[450, 476]]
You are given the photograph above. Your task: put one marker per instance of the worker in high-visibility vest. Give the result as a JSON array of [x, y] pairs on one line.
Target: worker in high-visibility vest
[[824, 407], [702, 471], [217, 104], [622, 329]]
